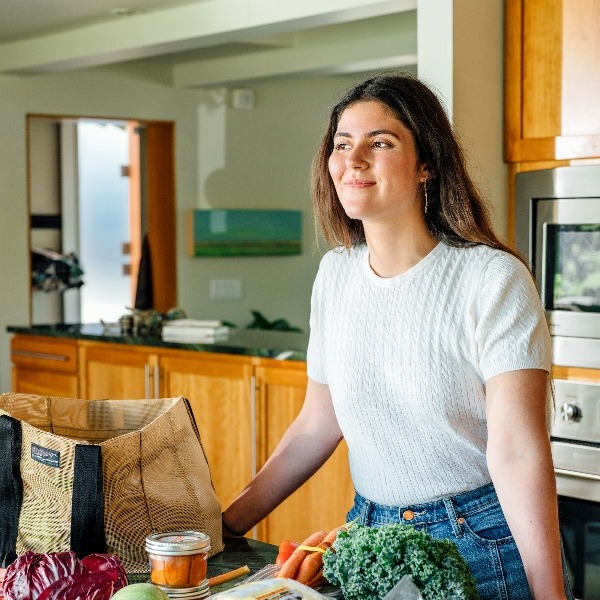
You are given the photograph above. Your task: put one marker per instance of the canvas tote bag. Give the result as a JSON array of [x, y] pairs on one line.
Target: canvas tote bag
[[100, 475]]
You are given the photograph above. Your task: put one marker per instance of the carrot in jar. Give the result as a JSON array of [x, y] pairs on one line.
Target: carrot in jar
[[197, 569], [178, 570], [157, 570]]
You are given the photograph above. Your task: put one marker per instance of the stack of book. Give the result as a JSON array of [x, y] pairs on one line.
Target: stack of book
[[194, 331]]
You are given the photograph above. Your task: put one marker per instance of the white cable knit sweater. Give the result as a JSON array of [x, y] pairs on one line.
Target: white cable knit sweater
[[406, 360]]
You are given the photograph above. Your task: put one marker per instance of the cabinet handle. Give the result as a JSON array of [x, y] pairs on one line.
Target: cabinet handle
[[156, 381], [41, 355], [146, 381], [253, 423], [578, 474], [253, 450]]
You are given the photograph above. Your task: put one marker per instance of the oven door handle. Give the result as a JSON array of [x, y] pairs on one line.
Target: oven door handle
[[577, 474]]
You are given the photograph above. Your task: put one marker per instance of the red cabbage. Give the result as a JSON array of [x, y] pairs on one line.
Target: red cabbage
[[107, 564], [81, 586], [61, 575]]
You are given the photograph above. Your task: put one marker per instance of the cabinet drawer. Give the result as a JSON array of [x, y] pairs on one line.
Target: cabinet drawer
[[44, 353]]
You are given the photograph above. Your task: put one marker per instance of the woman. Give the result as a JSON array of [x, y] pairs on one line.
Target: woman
[[429, 352]]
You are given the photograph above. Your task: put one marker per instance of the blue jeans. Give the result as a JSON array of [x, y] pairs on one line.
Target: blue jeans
[[475, 522]]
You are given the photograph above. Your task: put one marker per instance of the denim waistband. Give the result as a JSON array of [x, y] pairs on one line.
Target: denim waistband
[[449, 507]]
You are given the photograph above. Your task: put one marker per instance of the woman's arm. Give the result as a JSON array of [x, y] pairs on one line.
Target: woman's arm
[[309, 441], [520, 463]]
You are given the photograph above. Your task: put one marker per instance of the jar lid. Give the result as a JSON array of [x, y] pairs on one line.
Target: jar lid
[[178, 542]]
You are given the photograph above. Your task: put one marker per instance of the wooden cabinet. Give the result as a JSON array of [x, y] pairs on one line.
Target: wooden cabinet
[[322, 502], [219, 389], [44, 366], [552, 86], [117, 372]]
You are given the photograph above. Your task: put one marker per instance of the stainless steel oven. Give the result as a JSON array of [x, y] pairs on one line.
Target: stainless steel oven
[[576, 454], [557, 225]]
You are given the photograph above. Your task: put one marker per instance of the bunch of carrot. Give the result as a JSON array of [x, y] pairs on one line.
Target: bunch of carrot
[[305, 564]]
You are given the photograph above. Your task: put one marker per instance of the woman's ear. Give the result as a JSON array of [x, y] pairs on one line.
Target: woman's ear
[[425, 174]]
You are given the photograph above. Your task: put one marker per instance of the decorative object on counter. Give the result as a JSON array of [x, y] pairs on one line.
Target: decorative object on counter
[[260, 322], [245, 232], [93, 500], [146, 322], [195, 331], [53, 271]]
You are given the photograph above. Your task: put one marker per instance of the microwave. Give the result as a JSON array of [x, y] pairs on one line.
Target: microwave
[[557, 227]]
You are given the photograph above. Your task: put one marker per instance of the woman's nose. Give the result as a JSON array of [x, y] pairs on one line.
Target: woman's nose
[[356, 158]]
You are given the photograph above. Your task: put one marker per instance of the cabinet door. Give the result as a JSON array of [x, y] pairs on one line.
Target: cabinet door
[[551, 82], [323, 501], [117, 372], [218, 388], [44, 365]]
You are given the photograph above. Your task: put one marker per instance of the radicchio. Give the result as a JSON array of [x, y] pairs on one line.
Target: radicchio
[[61, 575], [83, 586]]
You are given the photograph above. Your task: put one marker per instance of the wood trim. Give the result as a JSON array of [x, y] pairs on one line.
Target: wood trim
[[135, 205], [576, 373], [160, 192], [542, 48], [513, 77]]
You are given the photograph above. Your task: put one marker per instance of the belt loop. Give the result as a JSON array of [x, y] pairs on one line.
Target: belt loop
[[364, 515], [456, 530]]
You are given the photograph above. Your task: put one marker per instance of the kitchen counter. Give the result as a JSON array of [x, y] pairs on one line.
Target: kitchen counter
[[283, 345]]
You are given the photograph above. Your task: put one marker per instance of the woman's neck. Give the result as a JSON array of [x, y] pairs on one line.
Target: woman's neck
[[393, 252]]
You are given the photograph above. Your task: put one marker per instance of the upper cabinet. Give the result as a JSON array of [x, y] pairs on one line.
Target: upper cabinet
[[552, 81]]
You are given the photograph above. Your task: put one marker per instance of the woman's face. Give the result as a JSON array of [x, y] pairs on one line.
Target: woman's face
[[374, 165]]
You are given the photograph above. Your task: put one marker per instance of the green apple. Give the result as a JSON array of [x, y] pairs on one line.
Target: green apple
[[140, 591]]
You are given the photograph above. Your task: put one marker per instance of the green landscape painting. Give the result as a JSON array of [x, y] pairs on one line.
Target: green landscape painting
[[245, 232]]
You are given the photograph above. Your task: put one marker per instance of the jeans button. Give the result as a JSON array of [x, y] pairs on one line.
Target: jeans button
[[408, 515]]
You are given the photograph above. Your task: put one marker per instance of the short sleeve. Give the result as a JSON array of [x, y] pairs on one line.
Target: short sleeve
[[511, 329]]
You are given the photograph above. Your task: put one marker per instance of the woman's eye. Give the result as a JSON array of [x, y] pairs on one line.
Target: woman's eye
[[340, 146], [381, 144]]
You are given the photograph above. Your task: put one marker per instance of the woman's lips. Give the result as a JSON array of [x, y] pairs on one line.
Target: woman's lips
[[359, 183]]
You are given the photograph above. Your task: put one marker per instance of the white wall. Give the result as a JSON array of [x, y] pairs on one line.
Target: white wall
[[99, 93]]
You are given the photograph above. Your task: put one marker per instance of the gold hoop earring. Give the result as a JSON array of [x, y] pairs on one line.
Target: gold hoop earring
[[425, 190]]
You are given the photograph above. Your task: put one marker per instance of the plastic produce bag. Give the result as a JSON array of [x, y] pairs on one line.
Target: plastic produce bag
[[270, 589], [405, 589]]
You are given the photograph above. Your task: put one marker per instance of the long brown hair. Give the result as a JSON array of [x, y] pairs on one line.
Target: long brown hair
[[457, 214]]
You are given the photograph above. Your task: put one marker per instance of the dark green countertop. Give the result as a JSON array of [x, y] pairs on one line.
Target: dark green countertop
[[245, 342]]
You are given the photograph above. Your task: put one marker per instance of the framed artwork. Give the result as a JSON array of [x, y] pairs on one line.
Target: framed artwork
[[245, 232]]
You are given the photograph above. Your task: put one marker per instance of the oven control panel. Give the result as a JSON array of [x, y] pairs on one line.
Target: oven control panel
[[577, 417]]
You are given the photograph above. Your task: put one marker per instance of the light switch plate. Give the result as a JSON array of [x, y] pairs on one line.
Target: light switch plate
[[225, 289]]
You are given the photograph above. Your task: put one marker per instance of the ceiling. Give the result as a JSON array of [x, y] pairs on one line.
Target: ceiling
[[26, 18], [202, 40]]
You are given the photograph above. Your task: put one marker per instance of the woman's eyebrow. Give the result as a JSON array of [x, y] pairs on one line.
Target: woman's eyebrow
[[368, 134]]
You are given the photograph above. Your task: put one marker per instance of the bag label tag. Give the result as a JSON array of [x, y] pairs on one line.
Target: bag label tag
[[46, 456]]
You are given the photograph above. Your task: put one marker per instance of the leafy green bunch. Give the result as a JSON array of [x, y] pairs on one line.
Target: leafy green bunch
[[367, 562]]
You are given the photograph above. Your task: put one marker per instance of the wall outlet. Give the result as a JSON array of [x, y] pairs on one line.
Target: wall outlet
[[225, 289]]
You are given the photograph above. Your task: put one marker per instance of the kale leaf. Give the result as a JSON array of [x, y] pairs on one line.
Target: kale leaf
[[367, 562]]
